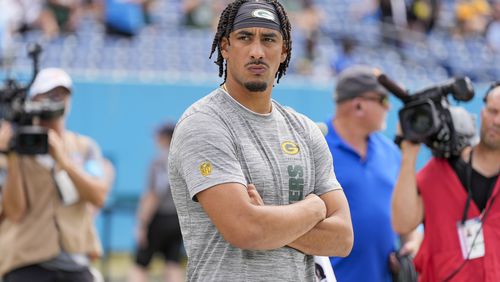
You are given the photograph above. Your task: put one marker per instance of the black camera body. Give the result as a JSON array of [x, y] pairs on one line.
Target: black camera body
[[427, 116], [29, 138]]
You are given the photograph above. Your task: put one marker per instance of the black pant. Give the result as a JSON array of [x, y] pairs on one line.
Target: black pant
[[39, 274]]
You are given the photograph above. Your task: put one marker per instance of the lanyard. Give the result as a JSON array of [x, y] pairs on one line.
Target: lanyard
[[468, 183]]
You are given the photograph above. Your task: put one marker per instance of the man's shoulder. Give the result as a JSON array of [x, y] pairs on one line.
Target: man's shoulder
[[435, 166], [202, 121], [205, 107], [82, 143], [289, 111], [435, 163], [382, 140], [157, 161], [296, 118]]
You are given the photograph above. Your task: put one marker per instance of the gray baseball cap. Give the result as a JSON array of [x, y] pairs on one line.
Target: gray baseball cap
[[356, 80]]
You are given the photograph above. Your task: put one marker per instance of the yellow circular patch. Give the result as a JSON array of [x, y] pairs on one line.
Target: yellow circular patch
[[206, 168], [290, 148]]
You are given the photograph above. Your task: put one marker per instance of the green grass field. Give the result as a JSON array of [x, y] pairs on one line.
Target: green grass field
[[117, 267]]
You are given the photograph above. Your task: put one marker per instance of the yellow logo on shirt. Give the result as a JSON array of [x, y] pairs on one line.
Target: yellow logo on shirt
[[290, 148], [206, 168]]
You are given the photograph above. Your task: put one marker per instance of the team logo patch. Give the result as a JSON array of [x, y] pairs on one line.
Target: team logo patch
[[264, 14], [290, 148], [206, 168]]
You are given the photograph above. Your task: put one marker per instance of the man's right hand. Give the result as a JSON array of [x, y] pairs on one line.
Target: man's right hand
[[319, 203], [410, 149]]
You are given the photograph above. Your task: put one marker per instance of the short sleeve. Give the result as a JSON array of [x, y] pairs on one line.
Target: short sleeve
[[326, 180], [204, 154]]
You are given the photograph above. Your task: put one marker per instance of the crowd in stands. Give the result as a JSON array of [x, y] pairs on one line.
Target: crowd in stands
[[424, 40]]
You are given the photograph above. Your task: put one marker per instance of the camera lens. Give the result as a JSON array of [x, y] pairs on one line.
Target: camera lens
[[420, 121]]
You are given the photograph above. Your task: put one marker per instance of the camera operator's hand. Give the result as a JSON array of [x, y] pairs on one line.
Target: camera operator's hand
[[5, 135], [408, 148], [56, 148]]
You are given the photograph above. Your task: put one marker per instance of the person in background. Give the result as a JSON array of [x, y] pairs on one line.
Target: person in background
[[367, 165], [158, 229]]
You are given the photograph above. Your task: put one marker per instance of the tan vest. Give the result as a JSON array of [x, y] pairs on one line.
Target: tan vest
[[48, 225]]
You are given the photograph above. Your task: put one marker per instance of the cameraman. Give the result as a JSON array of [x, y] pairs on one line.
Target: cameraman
[[455, 199], [47, 236]]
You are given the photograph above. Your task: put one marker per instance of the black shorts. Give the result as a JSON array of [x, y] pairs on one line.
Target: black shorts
[[40, 274], [164, 236]]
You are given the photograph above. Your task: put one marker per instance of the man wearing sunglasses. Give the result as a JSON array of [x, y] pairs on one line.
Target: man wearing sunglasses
[[367, 165]]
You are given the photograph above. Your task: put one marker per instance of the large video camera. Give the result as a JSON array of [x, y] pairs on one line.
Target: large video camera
[[29, 138], [428, 118]]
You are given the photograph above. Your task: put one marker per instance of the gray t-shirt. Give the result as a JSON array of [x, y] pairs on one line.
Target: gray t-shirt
[[159, 184], [283, 154]]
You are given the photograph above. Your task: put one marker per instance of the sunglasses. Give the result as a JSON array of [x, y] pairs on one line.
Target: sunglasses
[[381, 99]]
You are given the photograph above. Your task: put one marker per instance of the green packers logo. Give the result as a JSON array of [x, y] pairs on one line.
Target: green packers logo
[[264, 14], [290, 148], [206, 168]]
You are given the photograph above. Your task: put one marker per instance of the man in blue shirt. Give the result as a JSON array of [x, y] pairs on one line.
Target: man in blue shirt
[[367, 165]]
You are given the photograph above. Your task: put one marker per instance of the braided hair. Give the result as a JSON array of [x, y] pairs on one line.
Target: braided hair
[[225, 27]]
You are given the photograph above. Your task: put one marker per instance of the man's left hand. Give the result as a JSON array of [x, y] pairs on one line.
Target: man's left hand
[[56, 148], [410, 248], [255, 198]]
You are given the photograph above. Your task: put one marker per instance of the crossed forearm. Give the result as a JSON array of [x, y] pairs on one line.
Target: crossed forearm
[[272, 227], [330, 237]]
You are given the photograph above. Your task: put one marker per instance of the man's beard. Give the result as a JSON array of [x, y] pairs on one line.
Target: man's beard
[[489, 143], [255, 86]]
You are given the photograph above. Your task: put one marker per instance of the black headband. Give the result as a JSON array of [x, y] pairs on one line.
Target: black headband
[[257, 14]]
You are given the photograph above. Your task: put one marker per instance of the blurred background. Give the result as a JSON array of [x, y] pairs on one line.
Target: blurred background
[[139, 63]]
